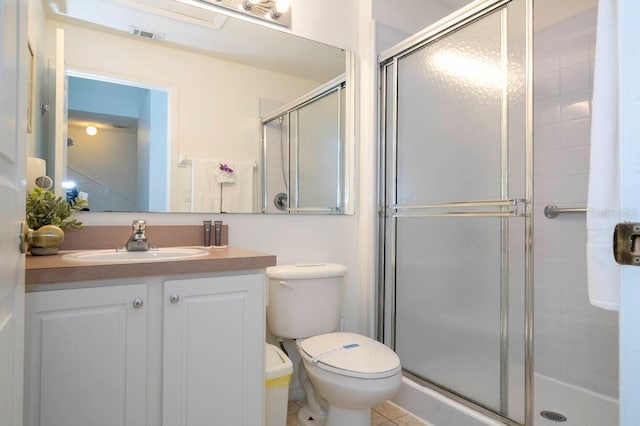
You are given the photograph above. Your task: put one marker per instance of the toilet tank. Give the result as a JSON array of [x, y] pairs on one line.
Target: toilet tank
[[304, 299]]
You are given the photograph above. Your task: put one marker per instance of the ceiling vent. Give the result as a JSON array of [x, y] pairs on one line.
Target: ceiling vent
[[139, 32]]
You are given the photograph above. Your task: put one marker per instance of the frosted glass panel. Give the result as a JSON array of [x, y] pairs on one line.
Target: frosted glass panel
[[319, 144], [458, 120], [449, 117], [448, 303]]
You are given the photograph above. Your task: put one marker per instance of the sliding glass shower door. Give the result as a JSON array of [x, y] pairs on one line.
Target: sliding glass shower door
[[456, 223]]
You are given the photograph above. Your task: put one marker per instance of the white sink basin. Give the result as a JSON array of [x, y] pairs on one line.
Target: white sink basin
[[158, 255]]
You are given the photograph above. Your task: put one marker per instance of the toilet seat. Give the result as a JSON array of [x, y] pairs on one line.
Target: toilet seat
[[351, 355]]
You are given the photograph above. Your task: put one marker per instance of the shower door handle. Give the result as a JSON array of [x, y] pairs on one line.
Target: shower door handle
[[487, 208]]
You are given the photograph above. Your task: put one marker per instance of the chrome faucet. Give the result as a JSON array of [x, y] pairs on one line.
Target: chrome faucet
[[138, 240]]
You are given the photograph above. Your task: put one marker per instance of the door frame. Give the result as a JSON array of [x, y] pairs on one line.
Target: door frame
[[14, 69], [628, 33]]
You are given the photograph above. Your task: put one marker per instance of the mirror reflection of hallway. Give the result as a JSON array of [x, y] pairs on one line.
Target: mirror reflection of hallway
[[131, 123]]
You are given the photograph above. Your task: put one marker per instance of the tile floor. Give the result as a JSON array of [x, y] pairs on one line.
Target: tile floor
[[385, 414]]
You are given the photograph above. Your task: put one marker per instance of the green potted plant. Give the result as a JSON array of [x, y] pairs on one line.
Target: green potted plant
[[48, 215]]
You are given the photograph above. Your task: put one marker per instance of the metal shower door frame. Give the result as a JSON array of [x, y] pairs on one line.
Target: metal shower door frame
[[389, 210], [338, 85]]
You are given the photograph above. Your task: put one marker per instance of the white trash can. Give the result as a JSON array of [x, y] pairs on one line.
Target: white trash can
[[277, 376]]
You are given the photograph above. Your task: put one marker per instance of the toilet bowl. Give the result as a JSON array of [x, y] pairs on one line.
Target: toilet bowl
[[343, 374], [352, 373]]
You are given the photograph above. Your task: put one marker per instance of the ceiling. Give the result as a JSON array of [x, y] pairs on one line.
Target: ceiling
[[205, 31], [102, 121]]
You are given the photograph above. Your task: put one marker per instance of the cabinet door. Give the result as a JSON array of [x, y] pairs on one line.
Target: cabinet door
[[213, 359], [86, 357]]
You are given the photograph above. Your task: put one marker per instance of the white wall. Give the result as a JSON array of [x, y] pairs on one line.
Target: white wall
[[37, 140], [409, 16], [574, 341], [328, 21], [104, 98], [398, 19]]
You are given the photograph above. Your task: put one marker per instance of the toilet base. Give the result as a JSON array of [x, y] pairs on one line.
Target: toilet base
[[306, 418], [336, 416]]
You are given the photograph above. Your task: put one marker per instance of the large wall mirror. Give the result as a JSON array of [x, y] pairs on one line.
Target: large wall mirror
[[166, 105]]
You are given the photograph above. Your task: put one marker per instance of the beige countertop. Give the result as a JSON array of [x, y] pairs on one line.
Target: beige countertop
[[56, 269]]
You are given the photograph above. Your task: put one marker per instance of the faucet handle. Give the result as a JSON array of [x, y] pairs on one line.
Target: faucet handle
[[139, 225]]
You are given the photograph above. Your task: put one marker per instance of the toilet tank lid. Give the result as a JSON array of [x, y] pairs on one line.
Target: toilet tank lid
[[306, 271]]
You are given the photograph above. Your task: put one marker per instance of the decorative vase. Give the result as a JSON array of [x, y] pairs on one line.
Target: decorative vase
[[46, 240]]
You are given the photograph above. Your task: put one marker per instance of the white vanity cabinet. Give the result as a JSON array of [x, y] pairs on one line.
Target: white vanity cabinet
[[179, 350], [213, 351], [86, 357]]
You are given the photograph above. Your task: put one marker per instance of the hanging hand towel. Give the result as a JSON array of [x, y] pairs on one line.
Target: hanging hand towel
[[238, 197], [225, 171], [603, 273], [205, 191]]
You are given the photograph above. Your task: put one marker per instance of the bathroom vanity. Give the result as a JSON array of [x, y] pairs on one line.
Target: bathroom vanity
[[157, 343]]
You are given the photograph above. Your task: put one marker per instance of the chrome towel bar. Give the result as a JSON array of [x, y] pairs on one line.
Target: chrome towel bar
[[552, 211]]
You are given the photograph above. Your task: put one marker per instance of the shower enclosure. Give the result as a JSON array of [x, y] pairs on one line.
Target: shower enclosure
[[303, 154], [460, 105]]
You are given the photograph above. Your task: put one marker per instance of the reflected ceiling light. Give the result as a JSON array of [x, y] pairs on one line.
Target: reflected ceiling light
[[282, 6], [273, 11], [91, 130], [267, 8]]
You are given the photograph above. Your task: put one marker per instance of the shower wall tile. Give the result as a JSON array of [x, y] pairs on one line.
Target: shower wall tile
[[546, 111], [562, 244], [575, 132], [603, 316], [561, 190], [574, 301], [575, 342], [548, 137], [546, 41], [574, 272], [576, 77], [575, 49], [574, 106], [547, 84], [562, 162]]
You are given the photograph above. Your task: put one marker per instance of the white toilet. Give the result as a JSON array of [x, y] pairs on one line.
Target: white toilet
[[343, 374]]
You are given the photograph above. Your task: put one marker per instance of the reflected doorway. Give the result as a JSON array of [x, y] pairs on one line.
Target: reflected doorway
[[117, 143]]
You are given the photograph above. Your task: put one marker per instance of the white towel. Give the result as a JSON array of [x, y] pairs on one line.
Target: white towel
[[225, 171], [205, 191], [237, 197], [603, 204]]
